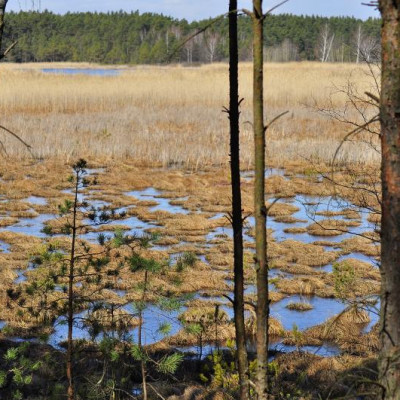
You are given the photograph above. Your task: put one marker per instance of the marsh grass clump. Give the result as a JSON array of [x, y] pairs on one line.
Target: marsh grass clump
[[275, 327], [298, 269], [345, 330], [281, 209], [288, 219], [297, 252], [109, 318], [368, 245], [204, 323], [4, 222], [374, 218], [306, 286], [301, 306], [351, 213], [328, 227], [295, 230]]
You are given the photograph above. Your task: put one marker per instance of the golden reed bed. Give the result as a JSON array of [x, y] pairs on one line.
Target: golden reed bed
[[172, 115]]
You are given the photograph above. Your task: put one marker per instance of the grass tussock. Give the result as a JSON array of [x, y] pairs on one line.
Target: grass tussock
[[275, 327], [295, 230], [306, 286], [205, 323], [300, 306], [345, 330], [362, 245], [117, 319], [296, 252], [281, 209], [330, 227]]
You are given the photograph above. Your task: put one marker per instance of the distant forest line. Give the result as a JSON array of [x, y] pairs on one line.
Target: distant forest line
[[134, 38]]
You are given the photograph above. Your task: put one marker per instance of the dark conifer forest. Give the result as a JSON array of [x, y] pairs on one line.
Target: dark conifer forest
[[134, 38]]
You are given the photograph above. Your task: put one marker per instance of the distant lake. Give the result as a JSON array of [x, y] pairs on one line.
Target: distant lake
[[82, 71]]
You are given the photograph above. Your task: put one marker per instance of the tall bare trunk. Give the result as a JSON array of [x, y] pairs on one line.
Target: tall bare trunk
[[262, 310], [389, 360], [358, 44], [140, 344], [3, 4], [70, 344], [237, 222]]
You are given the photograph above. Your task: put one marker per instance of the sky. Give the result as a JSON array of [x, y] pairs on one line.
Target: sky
[[195, 9]]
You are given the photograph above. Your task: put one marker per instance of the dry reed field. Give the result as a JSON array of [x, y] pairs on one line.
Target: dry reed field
[[163, 116]]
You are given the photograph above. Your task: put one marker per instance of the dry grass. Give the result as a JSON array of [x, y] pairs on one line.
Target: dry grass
[[306, 286], [215, 327], [299, 306], [291, 251], [281, 209], [295, 230], [119, 319], [345, 330], [208, 193], [360, 244], [330, 227], [275, 327], [172, 115]]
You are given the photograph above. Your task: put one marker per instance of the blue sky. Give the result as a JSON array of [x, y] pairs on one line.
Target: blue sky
[[195, 9]]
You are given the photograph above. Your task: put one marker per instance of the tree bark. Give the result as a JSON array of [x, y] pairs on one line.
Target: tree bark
[[237, 222], [3, 4], [140, 344], [262, 310], [389, 360]]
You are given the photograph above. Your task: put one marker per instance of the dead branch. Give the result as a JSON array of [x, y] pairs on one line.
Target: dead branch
[[274, 120], [28, 146], [275, 7], [9, 48], [376, 118]]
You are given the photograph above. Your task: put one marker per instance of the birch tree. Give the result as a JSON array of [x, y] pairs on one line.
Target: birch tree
[[366, 47], [325, 43], [211, 41], [358, 40]]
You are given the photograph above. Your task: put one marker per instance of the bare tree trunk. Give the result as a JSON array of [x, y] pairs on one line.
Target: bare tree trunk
[[328, 53], [259, 203], [389, 360], [3, 4], [358, 44], [211, 45], [140, 344], [237, 222], [324, 44], [70, 344]]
